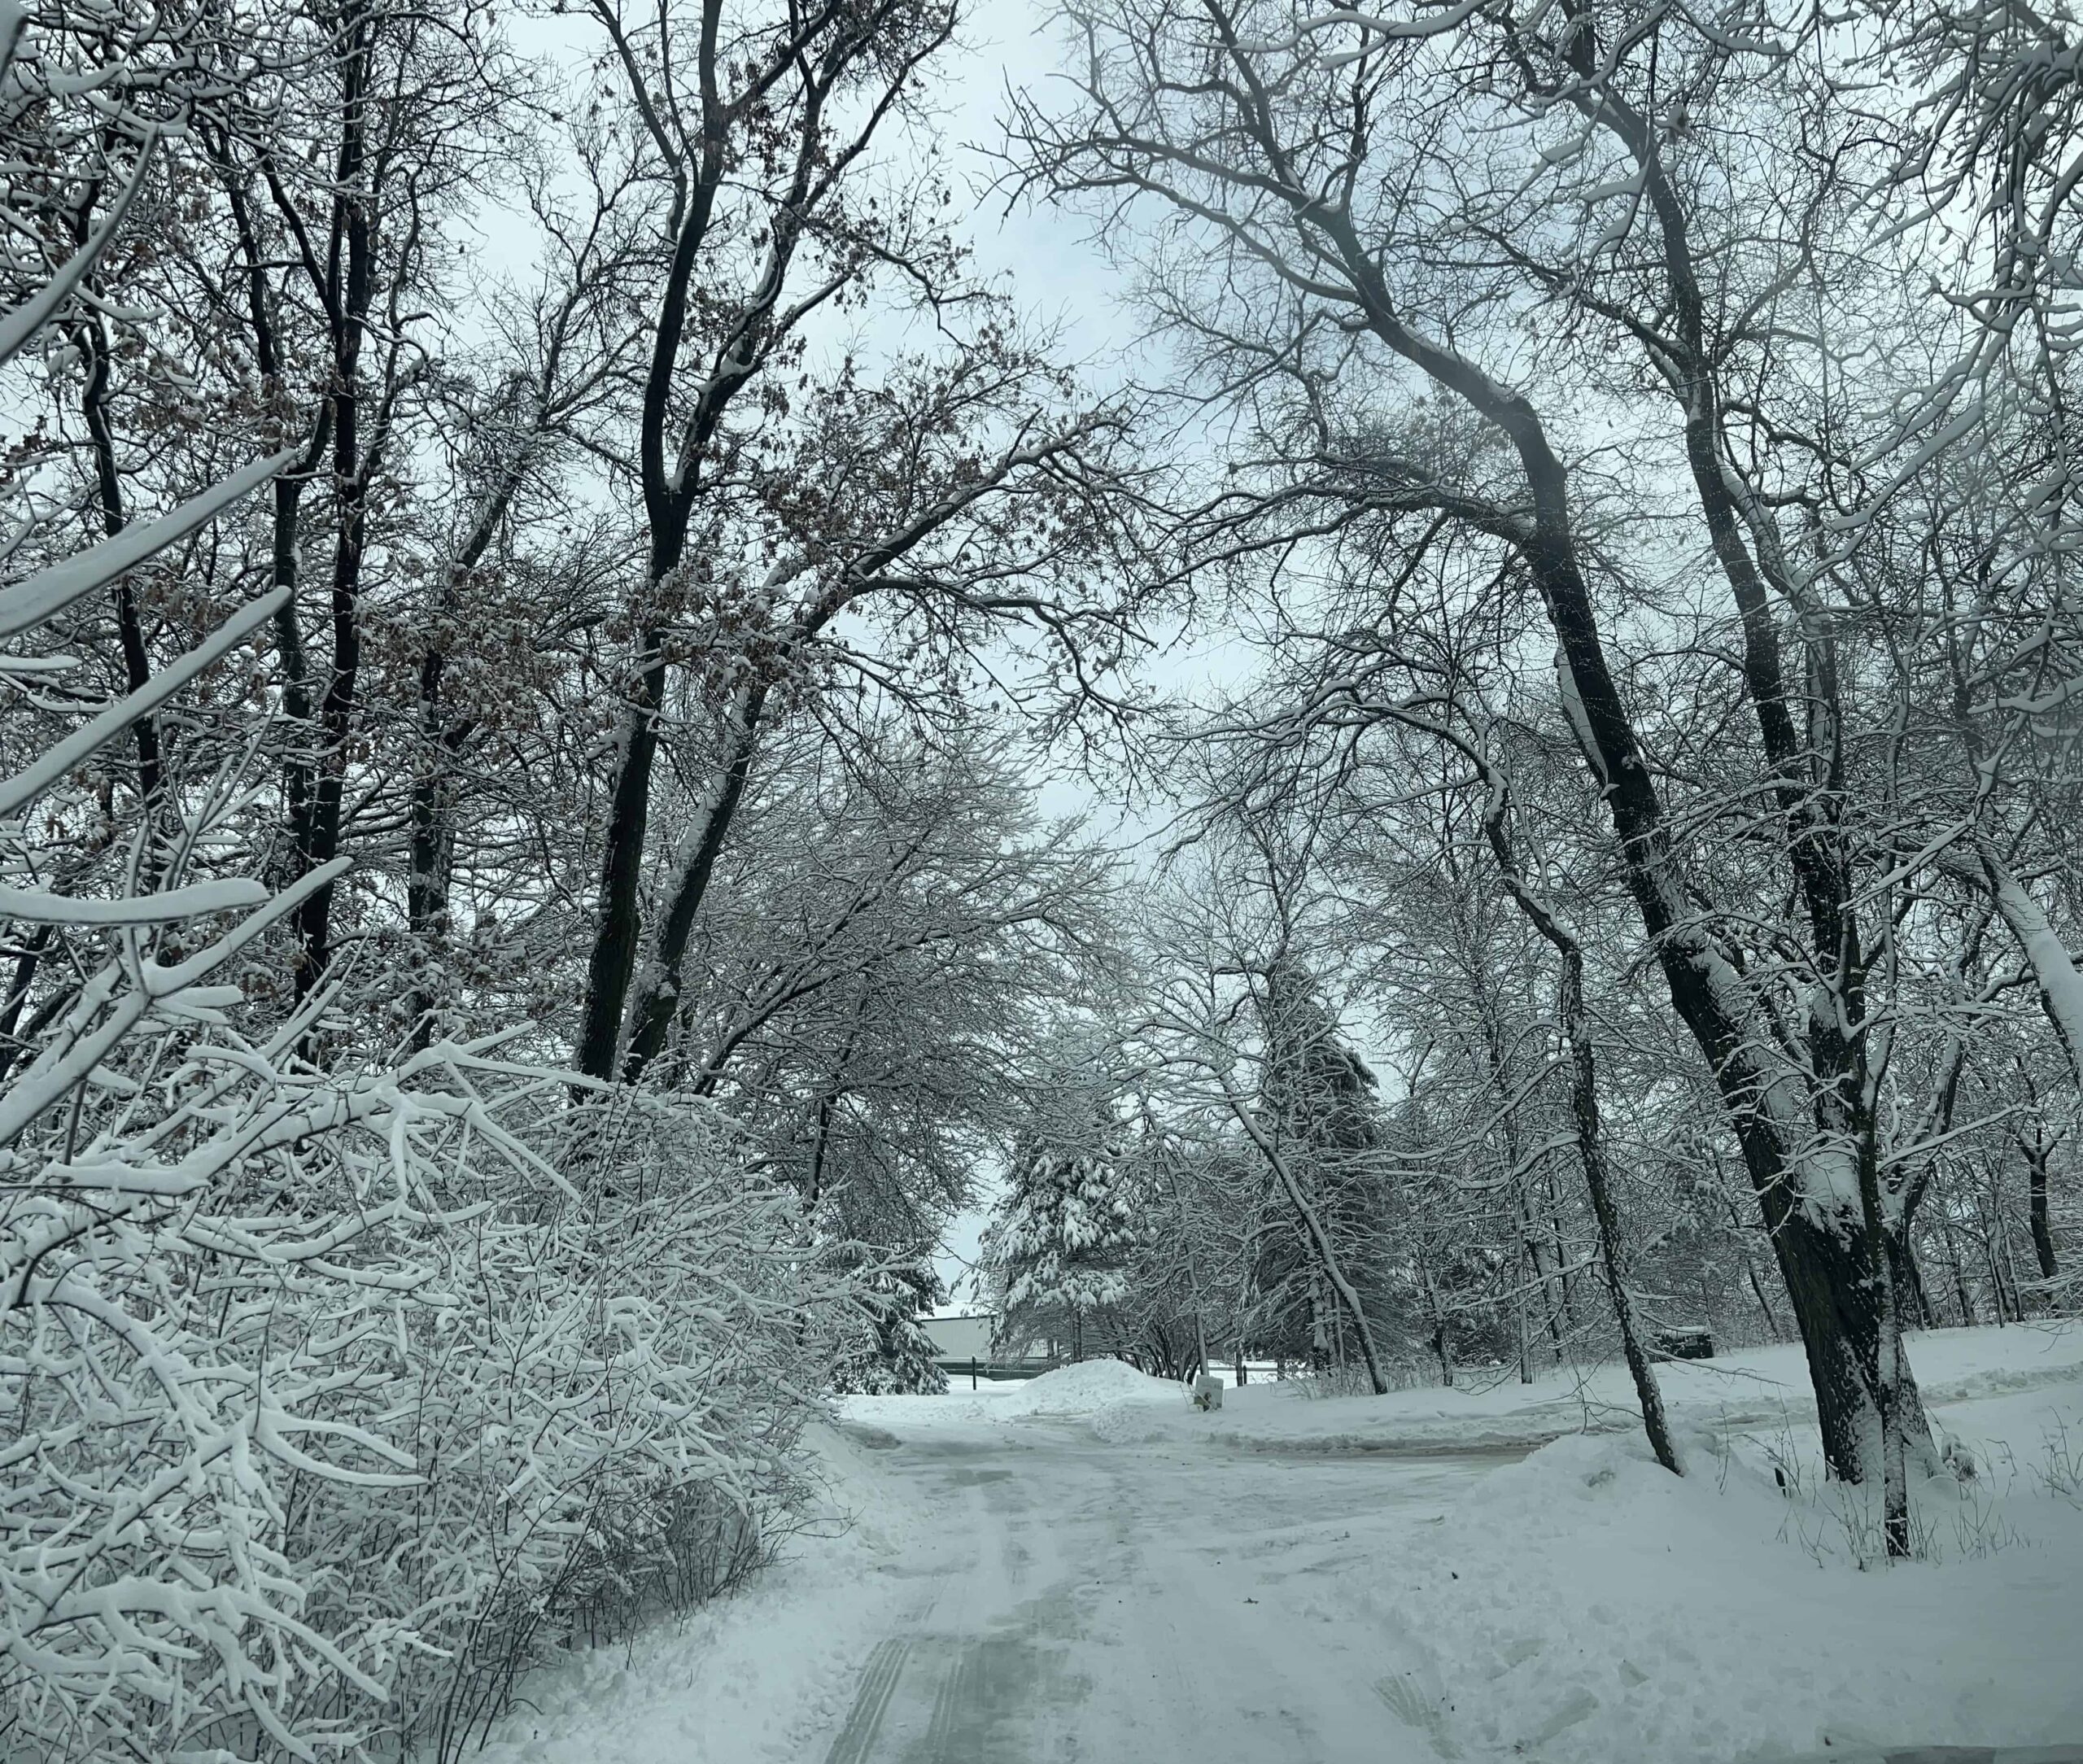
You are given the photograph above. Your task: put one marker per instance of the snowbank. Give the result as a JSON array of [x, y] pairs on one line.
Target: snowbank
[[1584, 1606], [1759, 1388], [1093, 1384], [1080, 1390]]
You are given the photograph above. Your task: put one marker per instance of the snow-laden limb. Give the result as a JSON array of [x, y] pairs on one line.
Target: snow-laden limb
[[20, 327], [191, 901], [106, 1013], [30, 603], [2061, 986], [277, 1470], [66, 756], [147, 1593]]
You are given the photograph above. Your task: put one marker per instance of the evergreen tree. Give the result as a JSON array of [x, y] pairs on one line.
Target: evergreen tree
[[1059, 1247], [1318, 1097], [889, 1353]]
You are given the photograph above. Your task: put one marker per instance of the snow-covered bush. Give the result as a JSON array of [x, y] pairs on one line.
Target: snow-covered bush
[[155, 1420], [333, 1394], [331, 1389], [600, 1387]]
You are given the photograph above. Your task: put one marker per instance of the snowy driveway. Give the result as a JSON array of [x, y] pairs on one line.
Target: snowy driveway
[[1079, 1600], [1084, 1567]]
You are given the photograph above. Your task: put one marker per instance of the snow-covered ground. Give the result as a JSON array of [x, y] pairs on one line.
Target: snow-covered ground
[[1758, 1389], [1085, 1565], [748, 1677]]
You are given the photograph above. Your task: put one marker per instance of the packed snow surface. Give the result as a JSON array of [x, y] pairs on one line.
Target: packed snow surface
[[743, 1679], [1087, 1566]]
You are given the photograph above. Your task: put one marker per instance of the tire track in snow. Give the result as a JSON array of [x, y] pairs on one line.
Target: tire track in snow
[[959, 1689], [1408, 1703], [870, 1703]]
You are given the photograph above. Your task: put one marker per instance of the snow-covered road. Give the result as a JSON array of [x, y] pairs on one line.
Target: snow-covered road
[[1086, 1567], [1079, 1599]]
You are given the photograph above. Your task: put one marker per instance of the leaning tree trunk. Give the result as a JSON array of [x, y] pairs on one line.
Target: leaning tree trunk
[[1825, 1273], [1325, 1255], [1575, 1023], [1818, 1252], [1591, 1149], [1831, 1246]]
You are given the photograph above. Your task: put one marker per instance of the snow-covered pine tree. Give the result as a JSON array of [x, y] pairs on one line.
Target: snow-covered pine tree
[[1058, 1248], [889, 1353], [1317, 1098]]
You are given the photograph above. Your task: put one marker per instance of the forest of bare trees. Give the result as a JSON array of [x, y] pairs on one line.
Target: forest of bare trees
[[546, 593]]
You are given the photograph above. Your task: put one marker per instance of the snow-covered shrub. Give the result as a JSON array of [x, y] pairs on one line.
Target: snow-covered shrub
[[155, 1425], [155, 1420], [336, 1389], [332, 1396], [602, 1402], [333, 1388]]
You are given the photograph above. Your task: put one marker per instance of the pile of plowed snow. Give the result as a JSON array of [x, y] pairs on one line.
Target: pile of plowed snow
[[1090, 1385], [1758, 1389]]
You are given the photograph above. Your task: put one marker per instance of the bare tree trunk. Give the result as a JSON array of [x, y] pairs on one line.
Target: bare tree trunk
[[2035, 1180], [1820, 1252], [431, 849], [1568, 1320], [671, 448], [1895, 1491], [353, 460], [656, 996], [1842, 1281], [1757, 1291], [1519, 1333], [288, 488], [93, 339], [1438, 1339], [1575, 1023], [443, 734], [1591, 1148]]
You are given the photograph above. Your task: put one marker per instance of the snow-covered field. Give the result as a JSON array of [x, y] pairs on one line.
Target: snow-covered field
[[1757, 1389], [1084, 1564]]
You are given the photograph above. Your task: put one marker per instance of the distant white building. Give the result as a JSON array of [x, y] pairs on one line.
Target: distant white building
[[963, 1338]]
